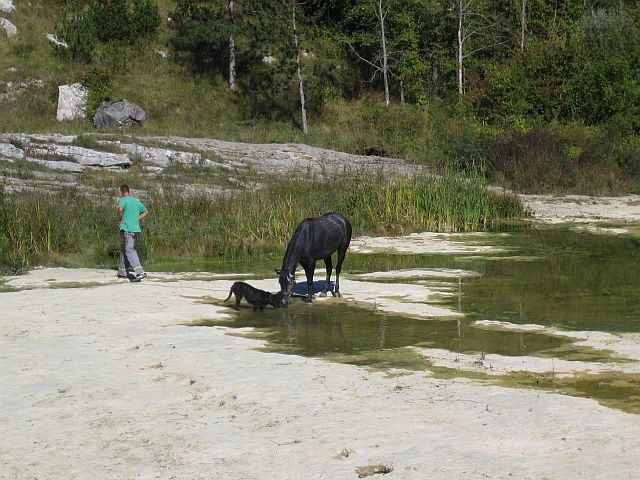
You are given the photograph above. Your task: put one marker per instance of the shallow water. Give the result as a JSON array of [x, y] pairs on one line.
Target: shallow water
[[333, 327], [546, 276], [574, 281]]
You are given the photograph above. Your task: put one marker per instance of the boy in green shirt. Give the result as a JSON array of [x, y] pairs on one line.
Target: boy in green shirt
[[130, 212]]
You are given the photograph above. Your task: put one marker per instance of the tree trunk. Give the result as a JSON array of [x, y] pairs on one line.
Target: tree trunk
[[232, 51], [385, 67], [523, 24], [460, 45], [303, 110]]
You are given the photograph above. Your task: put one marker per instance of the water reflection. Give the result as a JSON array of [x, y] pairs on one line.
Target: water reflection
[[332, 326], [548, 276], [551, 277]]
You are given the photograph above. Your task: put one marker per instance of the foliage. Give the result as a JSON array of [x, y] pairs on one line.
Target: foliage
[[78, 29], [604, 82], [202, 30], [86, 25], [98, 81]]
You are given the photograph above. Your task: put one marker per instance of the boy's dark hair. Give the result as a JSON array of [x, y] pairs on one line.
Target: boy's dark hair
[[124, 188]]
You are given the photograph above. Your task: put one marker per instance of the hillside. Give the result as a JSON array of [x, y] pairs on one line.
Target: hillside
[[491, 127]]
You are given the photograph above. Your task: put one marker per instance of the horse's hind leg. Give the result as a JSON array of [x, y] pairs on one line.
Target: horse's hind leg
[[342, 251], [329, 266]]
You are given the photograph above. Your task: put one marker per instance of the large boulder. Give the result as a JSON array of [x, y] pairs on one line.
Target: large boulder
[[72, 102], [119, 114], [8, 27]]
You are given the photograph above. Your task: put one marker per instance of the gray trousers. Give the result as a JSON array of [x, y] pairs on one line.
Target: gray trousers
[[128, 254]]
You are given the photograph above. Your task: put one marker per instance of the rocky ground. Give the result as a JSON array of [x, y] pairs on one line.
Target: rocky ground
[[54, 161], [58, 161]]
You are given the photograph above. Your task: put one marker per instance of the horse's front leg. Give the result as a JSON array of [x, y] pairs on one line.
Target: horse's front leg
[[329, 266], [309, 268]]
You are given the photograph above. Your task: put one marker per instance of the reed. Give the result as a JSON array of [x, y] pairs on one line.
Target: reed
[[70, 228]]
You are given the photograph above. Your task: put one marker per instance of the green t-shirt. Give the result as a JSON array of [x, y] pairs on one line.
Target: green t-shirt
[[131, 215]]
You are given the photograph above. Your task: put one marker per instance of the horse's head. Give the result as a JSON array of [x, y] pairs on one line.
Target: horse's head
[[287, 284]]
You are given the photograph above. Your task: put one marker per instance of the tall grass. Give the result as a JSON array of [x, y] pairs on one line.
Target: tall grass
[[69, 228], [42, 227]]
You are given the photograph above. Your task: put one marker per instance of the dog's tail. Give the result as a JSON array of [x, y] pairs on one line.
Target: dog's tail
[[230, 293]]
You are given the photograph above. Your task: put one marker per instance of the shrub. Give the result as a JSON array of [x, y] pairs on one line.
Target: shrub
[[98, 81], [85, 25], [78, 29], [603, 84]]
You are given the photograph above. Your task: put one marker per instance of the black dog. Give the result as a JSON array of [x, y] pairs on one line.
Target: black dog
[[256, 297]]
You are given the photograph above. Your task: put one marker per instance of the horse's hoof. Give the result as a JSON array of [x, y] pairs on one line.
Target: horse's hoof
[[308, 300], [323, 294], [336, 294]]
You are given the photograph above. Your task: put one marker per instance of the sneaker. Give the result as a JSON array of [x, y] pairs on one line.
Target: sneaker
[[140, 276], [120, 275]]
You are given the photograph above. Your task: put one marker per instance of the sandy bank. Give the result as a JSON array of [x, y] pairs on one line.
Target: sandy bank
[[106, 381]]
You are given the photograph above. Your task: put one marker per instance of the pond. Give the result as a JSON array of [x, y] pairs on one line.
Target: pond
[[551, 277]]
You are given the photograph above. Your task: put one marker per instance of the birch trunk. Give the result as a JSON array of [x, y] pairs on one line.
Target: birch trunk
[[460, 45], [232, 51], [385, 67], [523, 24], [303, 110]]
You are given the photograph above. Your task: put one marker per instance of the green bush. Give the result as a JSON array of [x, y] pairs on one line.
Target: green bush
[[98, 81], [86, 25], [603, 84], [78, 28]]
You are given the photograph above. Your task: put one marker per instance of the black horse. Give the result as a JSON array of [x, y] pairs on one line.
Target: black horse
[[315, 239]]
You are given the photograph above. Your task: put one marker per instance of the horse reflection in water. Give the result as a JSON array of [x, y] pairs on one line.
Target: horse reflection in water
[[334, 328], [315, 239], [316, 331]]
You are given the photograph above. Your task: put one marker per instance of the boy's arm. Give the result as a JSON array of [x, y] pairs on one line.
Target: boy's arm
[[120, 212], [144, 214]]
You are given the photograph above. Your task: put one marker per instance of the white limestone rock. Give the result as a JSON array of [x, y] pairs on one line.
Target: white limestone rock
[[72, 102], [62, 165], [155, 159], [7, 6], [84, 156], [56, 41], [11, 152], [8, 27]]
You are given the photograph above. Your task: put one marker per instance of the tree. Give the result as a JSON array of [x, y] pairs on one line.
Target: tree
[[284, 78], [202, 34], [303, 109], [478, 28], [232, 49], [386, 37], [604, 81], [85, 26]]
